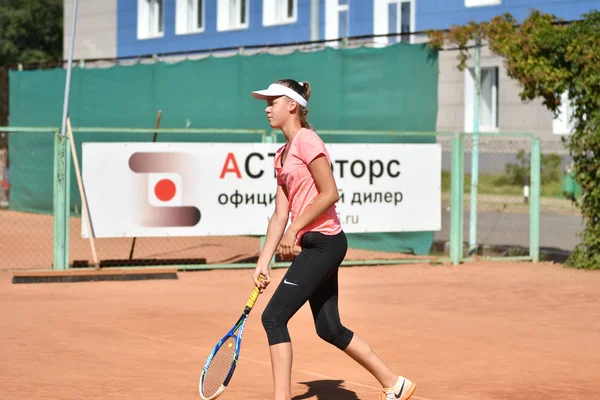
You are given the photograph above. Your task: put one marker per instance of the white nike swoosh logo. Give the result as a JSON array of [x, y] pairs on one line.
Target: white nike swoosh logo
[[289, 283]]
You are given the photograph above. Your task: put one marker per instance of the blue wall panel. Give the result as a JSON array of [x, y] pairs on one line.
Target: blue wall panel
[[430, 14], [256, 34]]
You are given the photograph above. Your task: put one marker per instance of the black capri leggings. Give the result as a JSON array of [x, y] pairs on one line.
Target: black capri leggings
[[313, 276]]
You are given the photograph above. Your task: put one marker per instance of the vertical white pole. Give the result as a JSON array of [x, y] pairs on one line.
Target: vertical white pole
[[314, 20], [475, 152], [69, 67], [62, 158]]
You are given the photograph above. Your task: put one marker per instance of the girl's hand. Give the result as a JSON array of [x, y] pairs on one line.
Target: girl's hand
[[286, 246], [261, 277]]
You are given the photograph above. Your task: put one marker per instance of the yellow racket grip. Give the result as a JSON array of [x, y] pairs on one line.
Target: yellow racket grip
[[253, 297], [255, 293]]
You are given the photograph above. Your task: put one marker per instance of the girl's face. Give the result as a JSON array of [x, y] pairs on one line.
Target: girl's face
[[278, 111]]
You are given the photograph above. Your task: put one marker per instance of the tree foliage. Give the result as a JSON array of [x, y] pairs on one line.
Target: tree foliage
[[548, 58], [31, 31], [518, 173]]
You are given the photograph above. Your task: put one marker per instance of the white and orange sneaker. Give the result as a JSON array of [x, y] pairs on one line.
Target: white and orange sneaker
[[402, 390]]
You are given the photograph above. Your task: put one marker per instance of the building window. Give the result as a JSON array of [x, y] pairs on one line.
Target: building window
[[488, 106], [343, 18], [393, 16], [151, 20], [563, 123], [482, 3], [277, 12], [337, 20], [232, 14], [189, 16], [399, 20]]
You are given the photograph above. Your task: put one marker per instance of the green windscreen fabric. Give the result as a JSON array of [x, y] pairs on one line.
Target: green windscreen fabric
[[392, 88]]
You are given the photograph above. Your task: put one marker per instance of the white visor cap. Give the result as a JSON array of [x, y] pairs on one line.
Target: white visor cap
[[276, 90]]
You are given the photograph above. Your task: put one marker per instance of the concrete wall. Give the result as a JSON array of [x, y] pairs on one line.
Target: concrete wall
[[96, 30], [513, 114]]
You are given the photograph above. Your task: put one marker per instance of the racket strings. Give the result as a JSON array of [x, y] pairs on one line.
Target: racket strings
[[219, 367]]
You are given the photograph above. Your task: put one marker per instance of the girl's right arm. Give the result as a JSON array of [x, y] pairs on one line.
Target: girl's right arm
[[275, 231]]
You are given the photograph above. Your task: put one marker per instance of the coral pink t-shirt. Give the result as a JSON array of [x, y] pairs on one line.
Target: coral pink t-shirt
[[301, 189]]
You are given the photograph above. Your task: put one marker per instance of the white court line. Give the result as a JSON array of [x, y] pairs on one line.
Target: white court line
[[315, 374]]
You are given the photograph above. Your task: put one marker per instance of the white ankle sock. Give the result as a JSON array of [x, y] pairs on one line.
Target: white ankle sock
[[396, 386]]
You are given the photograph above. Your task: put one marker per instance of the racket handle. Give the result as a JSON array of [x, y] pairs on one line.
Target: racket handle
[[253, 298], [255, 294]]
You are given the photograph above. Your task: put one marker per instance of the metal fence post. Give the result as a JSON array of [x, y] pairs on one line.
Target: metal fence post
[[61, 202], [461, 160], [534, 203], [475, 152], [456, 200]]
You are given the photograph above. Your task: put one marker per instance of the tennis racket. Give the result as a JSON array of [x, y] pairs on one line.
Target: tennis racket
[[221, 362]]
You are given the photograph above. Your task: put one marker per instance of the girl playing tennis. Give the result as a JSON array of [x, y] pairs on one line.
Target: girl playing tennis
[[307, 189]]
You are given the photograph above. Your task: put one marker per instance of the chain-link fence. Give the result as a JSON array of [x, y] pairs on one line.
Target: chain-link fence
[[29, 226], [560, 219], [30, 229], [26, 238], [501, 225], [496, 216], [34, 231]]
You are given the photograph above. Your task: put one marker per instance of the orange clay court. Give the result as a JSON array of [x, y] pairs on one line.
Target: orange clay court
[[478, 331]]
